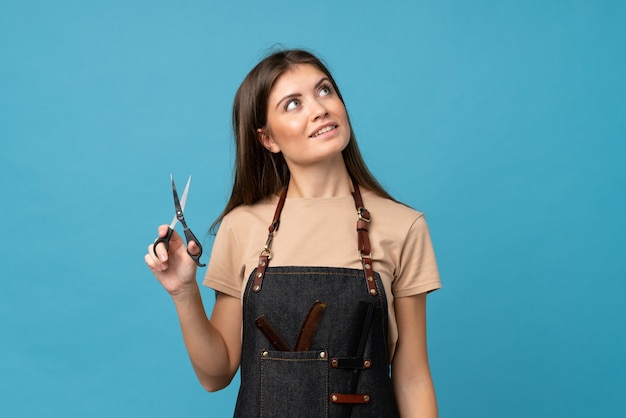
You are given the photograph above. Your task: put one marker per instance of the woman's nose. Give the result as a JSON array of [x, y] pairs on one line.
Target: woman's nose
[[318, 111]]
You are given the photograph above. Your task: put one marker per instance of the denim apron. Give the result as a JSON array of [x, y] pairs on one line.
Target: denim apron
[[315, 338]]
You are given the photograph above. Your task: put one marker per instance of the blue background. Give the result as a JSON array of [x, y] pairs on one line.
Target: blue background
[[503, 121]]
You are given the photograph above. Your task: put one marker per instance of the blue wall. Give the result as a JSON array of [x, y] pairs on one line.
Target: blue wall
[[503, 121]]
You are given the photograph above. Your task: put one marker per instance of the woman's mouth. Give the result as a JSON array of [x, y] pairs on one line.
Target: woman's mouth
[[324, 130]]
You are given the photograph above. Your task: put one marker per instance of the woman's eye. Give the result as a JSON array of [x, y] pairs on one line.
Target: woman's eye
[[325, 91], [292, 104]]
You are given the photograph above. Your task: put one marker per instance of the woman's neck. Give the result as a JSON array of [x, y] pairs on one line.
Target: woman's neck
[[319, 181]]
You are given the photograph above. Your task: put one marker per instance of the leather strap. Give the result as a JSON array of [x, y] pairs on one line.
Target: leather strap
[[351, 398], [279, 208], [260, 272], [266, 253], [362, 227]]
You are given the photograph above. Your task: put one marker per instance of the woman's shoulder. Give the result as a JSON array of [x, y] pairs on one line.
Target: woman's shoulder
[[259, 211], [383, 207], [393, 221]]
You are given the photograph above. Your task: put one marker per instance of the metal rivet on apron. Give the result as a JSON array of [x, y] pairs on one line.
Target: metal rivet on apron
[[370, 278], [373, 292], [265, 353], [323, 354], [334, 398], [262, 263], [334, 363], [366, 398], [257, 288], [259, 275], [367, 364]]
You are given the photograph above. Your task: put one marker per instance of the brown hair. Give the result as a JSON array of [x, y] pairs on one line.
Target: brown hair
[[260, 173]]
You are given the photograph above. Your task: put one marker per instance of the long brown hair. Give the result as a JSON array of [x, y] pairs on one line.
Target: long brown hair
[[260, 173]]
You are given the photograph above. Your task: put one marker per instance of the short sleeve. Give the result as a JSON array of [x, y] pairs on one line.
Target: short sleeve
[[223, 274], [417, 270]]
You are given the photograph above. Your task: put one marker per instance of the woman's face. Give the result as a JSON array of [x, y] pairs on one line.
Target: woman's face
[[306, 119]]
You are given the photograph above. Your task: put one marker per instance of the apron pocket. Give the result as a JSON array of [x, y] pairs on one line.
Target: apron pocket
[[294, 384]]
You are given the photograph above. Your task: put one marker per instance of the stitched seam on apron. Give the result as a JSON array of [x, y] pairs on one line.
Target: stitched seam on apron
[[261, 391], [278, 273], [385, 314]]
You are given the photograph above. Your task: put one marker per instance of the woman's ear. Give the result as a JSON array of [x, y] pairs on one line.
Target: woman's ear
[[266, 139]]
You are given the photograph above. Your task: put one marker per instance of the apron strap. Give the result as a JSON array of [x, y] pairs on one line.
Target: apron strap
[[362, 225], [266, 253]]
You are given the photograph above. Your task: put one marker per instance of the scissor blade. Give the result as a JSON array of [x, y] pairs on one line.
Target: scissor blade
[[179, 205], [183, 200], [174, 222]]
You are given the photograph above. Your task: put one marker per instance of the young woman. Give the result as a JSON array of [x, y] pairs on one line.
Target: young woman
[[321, 277]]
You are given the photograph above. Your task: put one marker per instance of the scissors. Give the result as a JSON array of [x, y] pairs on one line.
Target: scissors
[[179, 206]]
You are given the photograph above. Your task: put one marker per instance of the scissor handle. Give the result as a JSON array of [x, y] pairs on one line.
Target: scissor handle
[[165, 240], [189, 236]]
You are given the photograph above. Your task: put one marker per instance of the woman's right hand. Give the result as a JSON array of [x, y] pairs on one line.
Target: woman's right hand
[[214, 346], [174, 269]]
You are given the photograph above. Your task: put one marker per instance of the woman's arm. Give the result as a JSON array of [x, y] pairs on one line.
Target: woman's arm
[[213, 345], [411, 377]]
